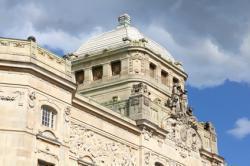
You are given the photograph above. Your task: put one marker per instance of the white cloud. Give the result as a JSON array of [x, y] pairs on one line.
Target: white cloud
[[55, 39], [27, 14], [205, 62], [59, 28], [242, 128]]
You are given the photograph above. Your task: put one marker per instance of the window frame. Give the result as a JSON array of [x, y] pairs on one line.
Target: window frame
[[113, 63], [94, 68], [79, 73], [48, 117]]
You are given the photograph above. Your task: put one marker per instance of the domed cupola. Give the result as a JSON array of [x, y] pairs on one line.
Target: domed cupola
[[123, 68], [124, 35]]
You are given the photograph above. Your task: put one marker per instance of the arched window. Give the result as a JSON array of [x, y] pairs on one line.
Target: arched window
[[158, 164], [48, 116]]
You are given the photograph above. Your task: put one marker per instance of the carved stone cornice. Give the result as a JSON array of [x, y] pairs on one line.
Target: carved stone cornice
[[211, 156], [48, 136], [145, 124]]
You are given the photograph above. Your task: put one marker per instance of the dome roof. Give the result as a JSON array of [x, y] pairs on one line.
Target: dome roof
[[121, 37]]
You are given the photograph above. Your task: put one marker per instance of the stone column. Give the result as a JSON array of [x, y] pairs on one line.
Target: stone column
[[107, 71], [170, 80], [124, 66], [158, 73], [146, 65], [88, 76]]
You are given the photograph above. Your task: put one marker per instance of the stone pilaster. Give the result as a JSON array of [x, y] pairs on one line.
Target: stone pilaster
[[107, 71], [88, 76]]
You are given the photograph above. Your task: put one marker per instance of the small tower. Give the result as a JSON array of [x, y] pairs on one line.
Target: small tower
[[128, 73]]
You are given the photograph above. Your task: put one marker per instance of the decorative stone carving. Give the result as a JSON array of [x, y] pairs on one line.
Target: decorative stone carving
[[139, 89], [48, 137], [67, 113], [147, 133], [184, 136], [157, 101], [85, 142], [10, 96], [18, 44], [150, 158], [7, 98], [32, 97], [137, 60]]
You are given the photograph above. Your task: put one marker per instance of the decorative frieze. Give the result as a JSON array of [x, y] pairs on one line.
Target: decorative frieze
[[11, 96], [151, 158], [103, 151]]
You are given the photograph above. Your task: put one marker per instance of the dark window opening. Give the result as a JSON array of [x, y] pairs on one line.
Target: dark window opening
[[175, 80], [152, 69], [158, 164], [164, 79], [97, 73], [79, 77], [116, 67], [44, 163]]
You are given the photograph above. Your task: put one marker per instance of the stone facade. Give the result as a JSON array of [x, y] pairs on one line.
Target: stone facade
[[119, 100]]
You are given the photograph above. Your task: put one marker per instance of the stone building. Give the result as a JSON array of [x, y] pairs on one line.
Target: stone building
[[119, 100]]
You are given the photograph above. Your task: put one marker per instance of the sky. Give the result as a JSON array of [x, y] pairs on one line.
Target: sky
[[210, 37]]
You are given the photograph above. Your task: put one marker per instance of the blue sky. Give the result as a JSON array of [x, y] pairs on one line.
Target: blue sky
[[224, 105], [210, 37]]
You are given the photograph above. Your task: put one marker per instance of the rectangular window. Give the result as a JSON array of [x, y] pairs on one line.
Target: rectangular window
[[152, 70], [97, 72], [175, 80], [164, 79], [48, 116], [116, 67], [79, 75]]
